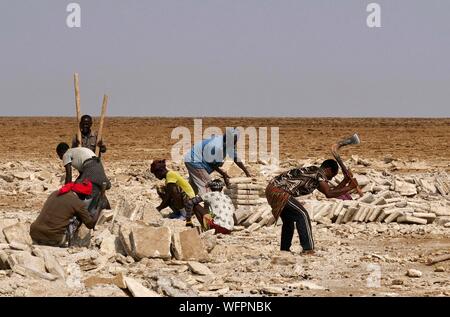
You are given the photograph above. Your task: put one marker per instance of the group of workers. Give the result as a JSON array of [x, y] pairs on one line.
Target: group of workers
[[82, 201]]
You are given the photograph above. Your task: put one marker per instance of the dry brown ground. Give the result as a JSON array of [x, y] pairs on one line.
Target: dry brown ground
[[145, 138]]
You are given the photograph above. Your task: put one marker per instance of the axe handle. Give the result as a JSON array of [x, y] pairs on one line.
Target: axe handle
[[345, 170]]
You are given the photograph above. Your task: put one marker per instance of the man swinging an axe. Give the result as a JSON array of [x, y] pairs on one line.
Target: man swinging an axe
[[283, 189]]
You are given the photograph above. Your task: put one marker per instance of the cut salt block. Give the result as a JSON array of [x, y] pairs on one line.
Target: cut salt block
[[19, 232], [393, 216], [379, 201], [349, 214], [411, 219], [375, 213], [428, 216], [187, 245], [245, 186], [150, 242], [244, 197], [240, 180], [340, 217], [231, 192], [254, 217], [367, 198]]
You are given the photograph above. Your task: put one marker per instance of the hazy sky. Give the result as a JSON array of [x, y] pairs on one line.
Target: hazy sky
[[226, 57]]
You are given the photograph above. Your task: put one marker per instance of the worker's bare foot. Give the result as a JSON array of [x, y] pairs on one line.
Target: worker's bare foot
[[309, 252]]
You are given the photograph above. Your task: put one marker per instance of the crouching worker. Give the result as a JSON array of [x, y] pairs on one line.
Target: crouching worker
[[220, 207], [176, 202], [280, 193], [52, 225], [177, 193]]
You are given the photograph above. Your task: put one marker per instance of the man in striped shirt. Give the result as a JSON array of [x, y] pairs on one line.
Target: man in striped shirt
[[283, 189]]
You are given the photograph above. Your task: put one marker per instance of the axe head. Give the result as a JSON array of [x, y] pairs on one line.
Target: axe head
[[354, 139]]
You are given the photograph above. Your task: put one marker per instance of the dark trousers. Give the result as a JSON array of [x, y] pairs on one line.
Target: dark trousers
[[292, 213]]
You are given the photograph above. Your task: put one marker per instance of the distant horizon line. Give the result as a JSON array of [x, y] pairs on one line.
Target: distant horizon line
[[232, 117]]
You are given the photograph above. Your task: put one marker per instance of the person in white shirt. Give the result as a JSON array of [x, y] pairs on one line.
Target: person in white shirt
[[90, 167], [221, 208]]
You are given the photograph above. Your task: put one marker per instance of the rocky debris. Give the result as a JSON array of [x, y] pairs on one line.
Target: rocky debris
[[4, 261], [209, 240], [287, 259], [82, 237], [272, 290], [109, 244], [187, 245], [253, 227], [23, 175], [413, 273], [52, 265], [138, 290], [246, 261], [7, 178], [442, 220], [118, 280], [131, 210], [28, 272], [19, 246], [398, 282], [105, 216], [307, 285], [168, 287], [124, 237], [241, 214], [105, 290], [4, 223], [441, 258], [27, 260], [199, 268], [74, 277]]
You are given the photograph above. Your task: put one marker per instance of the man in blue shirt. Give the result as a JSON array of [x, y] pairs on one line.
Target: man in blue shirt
[[208, 156]]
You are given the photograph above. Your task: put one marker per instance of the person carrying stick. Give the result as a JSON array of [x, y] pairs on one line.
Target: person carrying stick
[[88, 138]]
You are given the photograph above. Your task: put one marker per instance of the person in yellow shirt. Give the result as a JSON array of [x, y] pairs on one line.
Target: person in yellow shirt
[[177, 192]]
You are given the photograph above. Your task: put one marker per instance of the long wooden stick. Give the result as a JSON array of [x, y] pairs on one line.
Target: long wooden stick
[[100, 129], [77, 104]]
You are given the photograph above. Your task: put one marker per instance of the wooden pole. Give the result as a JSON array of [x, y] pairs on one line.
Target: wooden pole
[[100, 129], [77, 104]]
